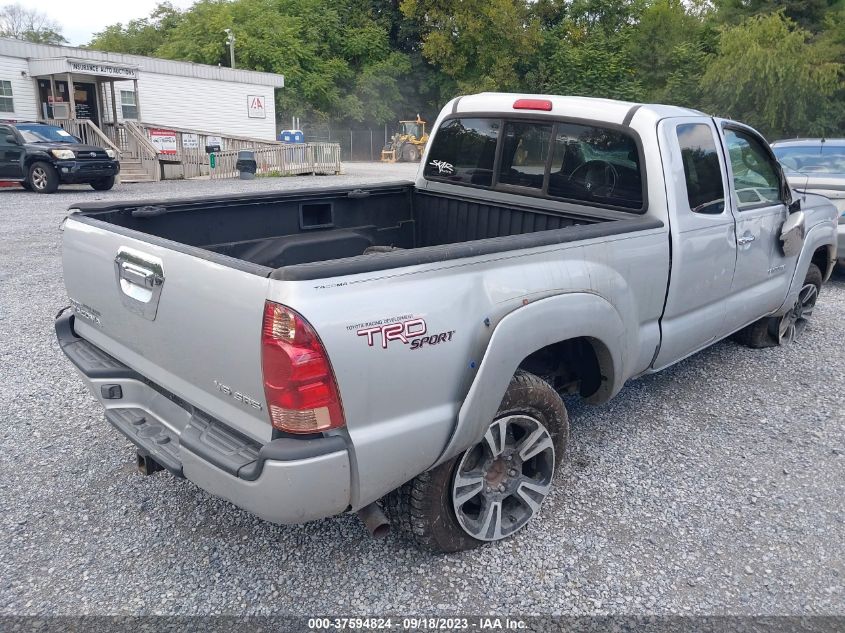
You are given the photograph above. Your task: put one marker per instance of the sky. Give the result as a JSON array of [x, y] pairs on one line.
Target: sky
[[80, 19]]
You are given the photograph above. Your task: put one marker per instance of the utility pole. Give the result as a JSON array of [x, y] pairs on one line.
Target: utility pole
[[230, 40]]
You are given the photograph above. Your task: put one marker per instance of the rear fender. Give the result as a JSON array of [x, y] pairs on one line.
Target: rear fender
[[525, 331]]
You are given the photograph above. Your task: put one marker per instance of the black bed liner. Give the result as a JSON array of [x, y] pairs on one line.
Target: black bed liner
[[316, 233]]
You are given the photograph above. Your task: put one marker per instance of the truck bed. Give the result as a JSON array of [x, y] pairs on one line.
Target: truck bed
[[377, 227]]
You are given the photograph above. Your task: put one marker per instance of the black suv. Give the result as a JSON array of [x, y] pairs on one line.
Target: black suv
[[40, 156]]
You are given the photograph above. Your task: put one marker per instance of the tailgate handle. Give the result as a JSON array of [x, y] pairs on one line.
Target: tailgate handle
[[140, 278]]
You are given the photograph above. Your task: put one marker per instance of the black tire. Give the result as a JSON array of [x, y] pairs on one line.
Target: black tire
[[103, 184], [42, 178], [763, 333], [422, 509], [413, 154]]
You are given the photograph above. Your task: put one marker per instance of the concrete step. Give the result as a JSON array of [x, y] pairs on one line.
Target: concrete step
[[140, 178]]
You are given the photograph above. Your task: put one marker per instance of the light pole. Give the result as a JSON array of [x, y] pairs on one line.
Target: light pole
[[230, 40]]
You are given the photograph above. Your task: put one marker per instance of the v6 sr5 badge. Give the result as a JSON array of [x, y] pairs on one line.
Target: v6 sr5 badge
[[411, 332]]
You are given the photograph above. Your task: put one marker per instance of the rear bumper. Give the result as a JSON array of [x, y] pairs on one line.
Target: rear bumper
[[286, 480]]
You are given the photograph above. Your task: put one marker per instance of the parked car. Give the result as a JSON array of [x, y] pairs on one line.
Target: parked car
[[817, 165], [41, 156], [311, 352]]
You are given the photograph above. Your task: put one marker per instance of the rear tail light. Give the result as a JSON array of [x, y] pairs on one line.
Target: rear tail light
[[533, 104], [301, 390]]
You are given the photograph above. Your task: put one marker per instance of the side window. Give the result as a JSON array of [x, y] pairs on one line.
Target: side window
[[4, 132], [7, 104], [128, 107], [463, 151], [703, 175], [525, 149], [595, 164], [754, 175]]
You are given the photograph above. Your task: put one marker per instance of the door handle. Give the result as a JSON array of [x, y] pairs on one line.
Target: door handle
[[140, 278], [745, 239]]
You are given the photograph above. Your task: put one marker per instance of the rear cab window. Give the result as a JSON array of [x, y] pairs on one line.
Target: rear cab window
[[595, 164], [464, 151]]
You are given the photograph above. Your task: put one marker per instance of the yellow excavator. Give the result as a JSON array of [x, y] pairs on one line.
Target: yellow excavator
[[407, 144]]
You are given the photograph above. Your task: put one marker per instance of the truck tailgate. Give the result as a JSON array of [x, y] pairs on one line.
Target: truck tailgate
[[188, 324]]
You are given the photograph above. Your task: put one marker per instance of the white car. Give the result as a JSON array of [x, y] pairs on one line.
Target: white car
[[817, 165]]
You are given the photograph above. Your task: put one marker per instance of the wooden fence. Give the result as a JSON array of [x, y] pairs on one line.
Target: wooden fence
[[283, 160]]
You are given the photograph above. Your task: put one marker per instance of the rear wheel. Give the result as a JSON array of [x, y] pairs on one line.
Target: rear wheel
[[43, 178], [493, 489], [103, 184]]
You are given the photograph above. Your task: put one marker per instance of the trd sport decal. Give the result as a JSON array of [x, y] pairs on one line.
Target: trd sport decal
[[410, 331]]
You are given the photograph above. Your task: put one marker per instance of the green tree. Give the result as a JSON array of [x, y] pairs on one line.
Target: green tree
[[31, 25], [587, 51], [479, 44], [144, 36], [768, 75], [668, 47]]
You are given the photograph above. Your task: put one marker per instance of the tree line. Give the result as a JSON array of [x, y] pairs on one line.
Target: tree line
[[778, 65]]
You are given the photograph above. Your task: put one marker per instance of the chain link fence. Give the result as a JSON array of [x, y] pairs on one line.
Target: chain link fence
[[355, 145]]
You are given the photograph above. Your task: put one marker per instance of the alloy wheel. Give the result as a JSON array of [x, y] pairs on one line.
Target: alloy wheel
[[39, 178], [793, 323], [501, 481]]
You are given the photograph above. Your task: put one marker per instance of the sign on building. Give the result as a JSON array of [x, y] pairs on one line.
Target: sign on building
[[215, 141], [99, 68], [164, 141], [257, 107], [190, 141]]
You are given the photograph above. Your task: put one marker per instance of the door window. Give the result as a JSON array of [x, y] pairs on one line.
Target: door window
[[463, 152], [525, 149], [4, 132], [755, 176], [702, 172]]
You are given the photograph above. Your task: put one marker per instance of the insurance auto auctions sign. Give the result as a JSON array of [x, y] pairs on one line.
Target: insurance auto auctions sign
[[108, 70], [164, 141], [257, 107]]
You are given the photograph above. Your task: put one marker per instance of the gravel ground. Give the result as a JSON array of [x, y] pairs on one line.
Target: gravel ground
[[715, 487]]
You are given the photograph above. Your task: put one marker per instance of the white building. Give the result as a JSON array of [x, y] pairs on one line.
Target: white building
[[43, 82]]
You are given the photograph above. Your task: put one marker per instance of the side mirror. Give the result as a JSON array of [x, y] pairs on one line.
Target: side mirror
[[792, 234], [795, 206], [11, 139]]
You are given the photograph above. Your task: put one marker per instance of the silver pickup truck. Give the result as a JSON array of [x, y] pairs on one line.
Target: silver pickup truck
[[402, 347]]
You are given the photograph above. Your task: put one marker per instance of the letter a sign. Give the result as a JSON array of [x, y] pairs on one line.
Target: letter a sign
[[257, 107]]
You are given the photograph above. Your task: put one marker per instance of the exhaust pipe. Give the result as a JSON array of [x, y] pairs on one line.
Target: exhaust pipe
[[374, 520], [146, 464]]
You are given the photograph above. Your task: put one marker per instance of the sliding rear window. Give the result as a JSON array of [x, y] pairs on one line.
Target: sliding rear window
[[589, 164], [463, 152]]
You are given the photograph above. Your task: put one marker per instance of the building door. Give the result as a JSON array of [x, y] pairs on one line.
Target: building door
[[85, 97]]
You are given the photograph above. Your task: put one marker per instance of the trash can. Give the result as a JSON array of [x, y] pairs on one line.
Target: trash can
[[246, 165]]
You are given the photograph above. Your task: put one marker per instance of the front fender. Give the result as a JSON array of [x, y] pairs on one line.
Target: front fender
[[525, 331], [822, 234]]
